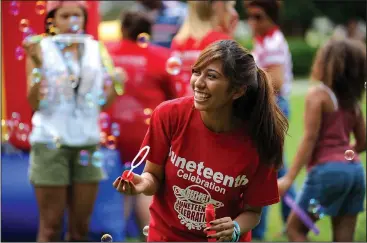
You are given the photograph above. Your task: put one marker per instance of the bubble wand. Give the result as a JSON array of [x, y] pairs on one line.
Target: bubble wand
[[210, 216], [301, 214], [127, 174]]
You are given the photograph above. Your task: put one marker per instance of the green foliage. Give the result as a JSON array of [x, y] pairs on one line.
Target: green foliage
[[302, 54]]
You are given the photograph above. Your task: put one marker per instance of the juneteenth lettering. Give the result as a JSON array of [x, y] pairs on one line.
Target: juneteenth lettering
[[194, 172]]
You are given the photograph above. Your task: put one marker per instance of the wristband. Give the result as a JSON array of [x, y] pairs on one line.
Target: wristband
[[236, 233]]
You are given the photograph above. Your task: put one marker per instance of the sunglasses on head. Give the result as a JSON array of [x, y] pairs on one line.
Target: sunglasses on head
[[256, 17]]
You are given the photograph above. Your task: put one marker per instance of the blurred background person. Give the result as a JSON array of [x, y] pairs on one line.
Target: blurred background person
[[333, 113], [351, 30], [205, 23], [271, 52], [147, 85], [64, 122], [166, 17]]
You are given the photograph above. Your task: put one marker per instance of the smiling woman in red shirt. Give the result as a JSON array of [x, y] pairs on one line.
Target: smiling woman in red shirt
[[221, 147], [205, 23]]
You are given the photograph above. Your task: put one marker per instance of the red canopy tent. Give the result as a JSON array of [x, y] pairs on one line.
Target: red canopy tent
[[13, 90]]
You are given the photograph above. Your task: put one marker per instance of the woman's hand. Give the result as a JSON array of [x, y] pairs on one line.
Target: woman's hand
[[136, 186], [33, 50], [284, 183], [224, 228]]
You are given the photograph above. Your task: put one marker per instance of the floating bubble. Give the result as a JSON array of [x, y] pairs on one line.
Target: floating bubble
[[74, 24], [19, 53], [22, 132], [143, 40], [104, 120], [36, 75], [146, 230], [43, 104], [111, 142], [127, 166], [115, 129], [89, 99], [106, 238], [24, 25], [84, 157], [148, 111], [315, 208], [15, 118], [4, 130], [102, 98], [97, 159], [147, 121], [40, 7], [28, 34], [14, 8], [349, 154], [173, 65]]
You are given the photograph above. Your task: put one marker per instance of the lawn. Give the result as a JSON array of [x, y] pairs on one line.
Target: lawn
[[293, 140]]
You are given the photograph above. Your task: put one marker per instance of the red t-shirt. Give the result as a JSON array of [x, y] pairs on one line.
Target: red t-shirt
[[189, 50], [201, 167], [147, 85]]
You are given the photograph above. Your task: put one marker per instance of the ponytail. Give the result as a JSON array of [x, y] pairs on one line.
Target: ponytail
[[266, 123]]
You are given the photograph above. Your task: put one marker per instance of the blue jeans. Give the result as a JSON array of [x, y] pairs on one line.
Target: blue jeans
[[342, 196], [259, 231]]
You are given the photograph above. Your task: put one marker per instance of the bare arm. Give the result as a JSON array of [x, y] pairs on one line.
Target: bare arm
[[33, 89], [276, 73], [249, 218], [359, 132], [153, 176], [312, 120]]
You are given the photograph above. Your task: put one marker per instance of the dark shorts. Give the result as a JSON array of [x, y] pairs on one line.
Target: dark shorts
[[339, 187]]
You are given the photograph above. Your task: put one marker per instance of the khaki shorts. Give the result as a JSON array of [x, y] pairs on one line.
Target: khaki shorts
[[61, 166]]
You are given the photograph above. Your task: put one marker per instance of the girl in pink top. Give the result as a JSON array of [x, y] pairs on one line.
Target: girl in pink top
[[335, 175]]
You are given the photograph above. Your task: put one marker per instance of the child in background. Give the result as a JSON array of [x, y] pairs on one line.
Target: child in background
[[332, 114]]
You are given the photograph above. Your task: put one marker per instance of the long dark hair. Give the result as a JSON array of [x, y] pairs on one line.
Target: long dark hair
[[266, 124], [341, 65], [50, 15]]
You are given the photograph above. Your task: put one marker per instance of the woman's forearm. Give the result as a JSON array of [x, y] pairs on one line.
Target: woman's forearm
[[152, 183], [248, 220], [33, 96]]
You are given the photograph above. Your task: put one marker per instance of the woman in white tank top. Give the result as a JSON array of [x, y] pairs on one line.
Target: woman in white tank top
[[66, 91]]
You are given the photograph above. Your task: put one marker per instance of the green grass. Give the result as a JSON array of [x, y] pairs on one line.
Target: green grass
[[292, 142]]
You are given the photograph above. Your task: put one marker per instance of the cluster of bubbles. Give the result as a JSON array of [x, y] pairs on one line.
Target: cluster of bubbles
[[315, 208], [14, 126], [106, 238], [349, 154]]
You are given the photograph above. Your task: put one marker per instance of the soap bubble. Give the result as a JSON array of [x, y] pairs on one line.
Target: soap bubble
[[74, 24], [148, 111], [106, 238], [104, 120], [24, 25], [349, 154], [315, 208], [55, 144], [143, 40], [89, 99], [36, 75], [97, 159], [102, 99], [127, 166], [146, 230], [173, 65], [14, 8], [19, 53], [84, 157], [15, 118], [40, 7], [111, 142], [115, 129]]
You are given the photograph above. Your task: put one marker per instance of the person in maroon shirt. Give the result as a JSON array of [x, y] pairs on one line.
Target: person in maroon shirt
[[147, 85], [205, 23], [221, 146], [336, 178]]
